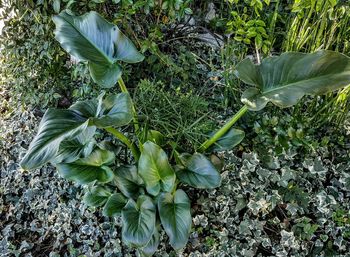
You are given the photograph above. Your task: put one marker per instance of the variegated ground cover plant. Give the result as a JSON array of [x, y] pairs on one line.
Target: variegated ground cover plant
[[146, 189]]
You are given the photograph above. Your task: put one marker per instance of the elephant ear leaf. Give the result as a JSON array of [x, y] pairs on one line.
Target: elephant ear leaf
[[55, 126], [284, 80], [228, 141], [175, 216], [155, 169], [101, 44], [139, 220], [199, 172], [89, 169]]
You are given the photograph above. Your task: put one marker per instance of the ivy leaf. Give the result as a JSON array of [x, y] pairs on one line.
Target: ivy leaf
[[285, 79], [114, 205], [55, 126], [97, 196], [199, 172], [175, 215], [101, 44], [155, 170], [128, 181], [139, 220]]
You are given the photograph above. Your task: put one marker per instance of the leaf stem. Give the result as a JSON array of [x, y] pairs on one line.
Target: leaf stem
[[222, 131], [125, 140], [125, 90]]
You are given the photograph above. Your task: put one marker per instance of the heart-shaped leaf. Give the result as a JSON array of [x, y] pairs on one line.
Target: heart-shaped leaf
[[155, 170], [152, 246], [81, 146], [114, 110], [97, 196], [199, 172], [228, 141], [101, 44], [128, 181], [139, 221], [55, 126], [283, 80], [175, 215], [89, 169], [114, 205]]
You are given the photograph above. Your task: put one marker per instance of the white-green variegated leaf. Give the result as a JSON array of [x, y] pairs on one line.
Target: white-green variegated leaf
[[284, 80]]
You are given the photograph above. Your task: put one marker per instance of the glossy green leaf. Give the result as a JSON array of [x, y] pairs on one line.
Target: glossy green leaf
[[81, 146], [83, 174], [98, 157], [285, 79], [117, 111], [199, 172], [175, 215], [97, 196], [228, 141], [114, 205], [152, 245], [89, 169], [139, 220], [155, 170], [55, 126], [101, 44], [128, 181]]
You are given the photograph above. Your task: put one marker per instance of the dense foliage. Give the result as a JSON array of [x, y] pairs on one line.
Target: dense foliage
[[162, 141]]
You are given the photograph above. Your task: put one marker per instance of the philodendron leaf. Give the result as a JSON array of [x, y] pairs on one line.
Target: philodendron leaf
[[283, 80], [114, 110], [152, 245], [101, 44], [139, 220], [97, 196], [175, 215], [155, 170], [114, 205], [81, 146], [199, 172], [228, 141], [89, 169], [128, 181], [55, 126]]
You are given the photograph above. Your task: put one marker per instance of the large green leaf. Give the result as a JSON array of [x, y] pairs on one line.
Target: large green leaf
[[114, 110], [81, 146], [175, 215], [128, 181], [114, 205], [55, 126], [285, 79], [228, 141], [96, 196], [155, 170], [89, 169], [152, 245], [199, 172], [101, 44], [139, 220]]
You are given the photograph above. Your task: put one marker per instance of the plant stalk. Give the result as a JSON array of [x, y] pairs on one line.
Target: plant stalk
[[126, 141], [125, 90], [223, 130]]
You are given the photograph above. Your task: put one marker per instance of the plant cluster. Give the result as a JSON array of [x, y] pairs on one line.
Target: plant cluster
[[146, 189]]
